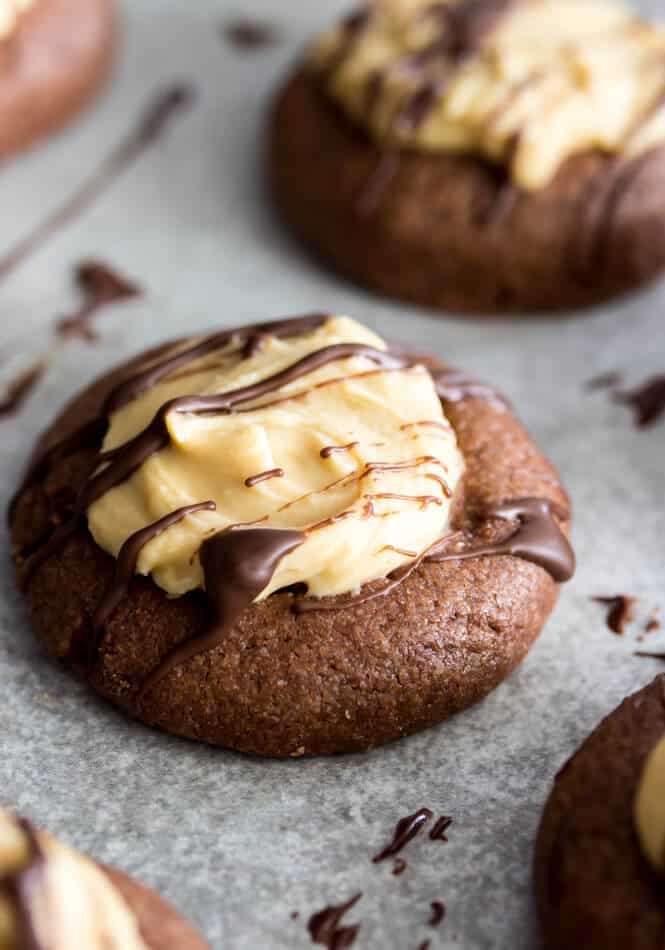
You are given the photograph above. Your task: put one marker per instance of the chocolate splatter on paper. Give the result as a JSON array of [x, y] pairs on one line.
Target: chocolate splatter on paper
[[325, 926], [149, 129], [405, 830], [647, 401], [609, 380], [21, 387], [441, 826], [249, 36], [438, 913], [100, 286], [620, 611], [399, 866], [653, 623], [650, 656]]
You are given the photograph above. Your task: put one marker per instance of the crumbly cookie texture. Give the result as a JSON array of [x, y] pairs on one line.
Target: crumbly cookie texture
[[650, 807], [10, 13], [54, 897], [358, 457], [522, 83]]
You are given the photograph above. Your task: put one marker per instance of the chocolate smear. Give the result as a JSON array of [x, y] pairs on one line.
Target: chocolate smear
[[647, 401], [609, 380], [324, 926], [405, 830], [249, 36], [21, 387], [620, 611], [100, 286], [441, 826], [151, 126], [438, 913]]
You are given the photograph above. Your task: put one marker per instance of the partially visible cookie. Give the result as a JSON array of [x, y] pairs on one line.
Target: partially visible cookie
[[54, 54], [480, 155], [53, 898], [599, 883]]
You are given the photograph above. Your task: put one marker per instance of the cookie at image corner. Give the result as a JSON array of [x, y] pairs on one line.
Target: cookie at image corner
[[600, 854], [54, 897], [54, 55], [290, 539], [479, 156]]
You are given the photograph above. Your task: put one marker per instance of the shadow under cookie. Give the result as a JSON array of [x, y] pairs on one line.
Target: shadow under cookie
[[453, 232], [51, 65], [595, 888]]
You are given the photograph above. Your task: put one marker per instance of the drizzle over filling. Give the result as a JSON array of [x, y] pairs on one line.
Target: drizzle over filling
[[521, 83], [299, 455]]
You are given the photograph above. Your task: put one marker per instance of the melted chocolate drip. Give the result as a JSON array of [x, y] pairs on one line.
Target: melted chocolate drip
[[324, 926], [21, 886], [647, 401], [405, 830], [128, 557], [151, 126], [237, 566], [248, 36], [100, 286], [438, 913], [441, 825], [21, 387], [264, 477], [621, 610]]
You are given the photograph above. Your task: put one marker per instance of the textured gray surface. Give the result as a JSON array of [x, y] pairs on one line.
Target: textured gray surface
[[238, 843]]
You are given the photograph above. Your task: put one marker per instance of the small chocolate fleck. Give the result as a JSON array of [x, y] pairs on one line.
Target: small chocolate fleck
[[441, 825], [438, 913], [295, 914], [405, 829], [399, 866], [621, 611], [647, 401], [20, 388], [609, 380], [324, 926], [249, 35]]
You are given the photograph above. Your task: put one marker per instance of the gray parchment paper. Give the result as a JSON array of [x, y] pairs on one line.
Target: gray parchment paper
[[238, 843]]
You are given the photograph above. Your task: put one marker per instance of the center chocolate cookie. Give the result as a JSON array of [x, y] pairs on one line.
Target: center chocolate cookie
[[289, 539], [480, 155]]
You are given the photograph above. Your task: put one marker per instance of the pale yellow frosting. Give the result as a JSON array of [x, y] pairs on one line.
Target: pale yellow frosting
[[10, 12], [385, 517], [551, 79], [650, 807], [75, 904]]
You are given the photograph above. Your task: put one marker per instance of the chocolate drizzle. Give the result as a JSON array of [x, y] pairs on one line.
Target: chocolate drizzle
[[441, 826], [152, 124], [237, 566], [20, 887], [264, 477], [324, 926], [100, 286], [239, 563], [405, 830]]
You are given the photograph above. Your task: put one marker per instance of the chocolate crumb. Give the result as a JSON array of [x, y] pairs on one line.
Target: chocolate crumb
[[324, 926], [647, 401], [20, 388], [605, 381], [399, 866], [441, 825], [621, 611], [249, 35], [405, 829], [438, 913]]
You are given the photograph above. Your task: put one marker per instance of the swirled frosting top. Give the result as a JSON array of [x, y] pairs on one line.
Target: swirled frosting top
[[53, 898], [650, 807], [522, 83], [10, 13], [325, 433]]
